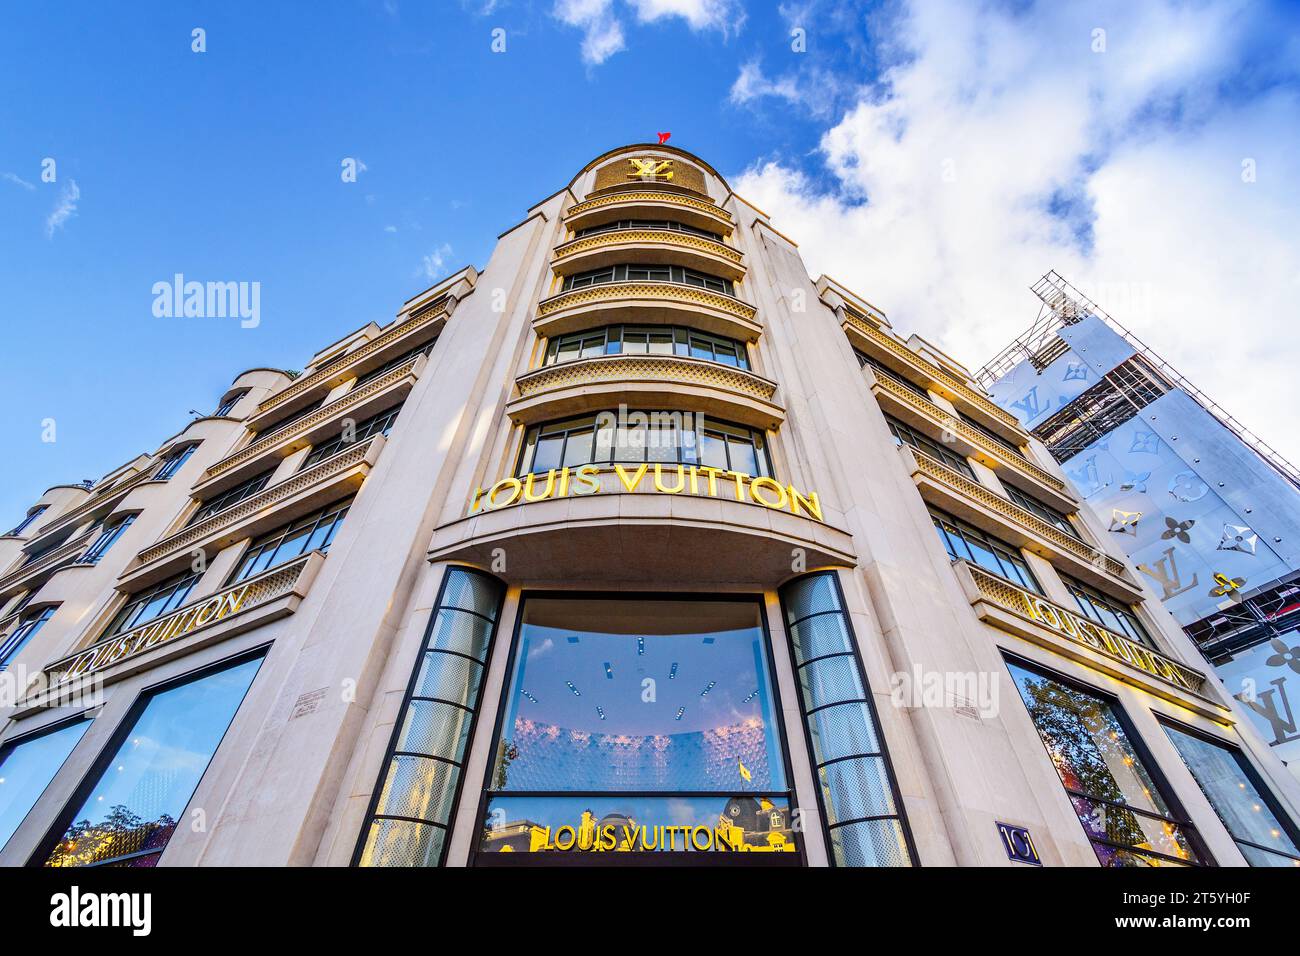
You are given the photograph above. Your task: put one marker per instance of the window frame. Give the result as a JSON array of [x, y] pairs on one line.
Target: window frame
[[990, 543], [175, 461], [108, 537], [663, 225], [32, 619], [1044, 512], [117, 624], [227, 404], [905, 434], [632, 272], [329, 447], [1122, 612], [231, 497], [337, 511], [27, 520], [7, 748], [612, 340]]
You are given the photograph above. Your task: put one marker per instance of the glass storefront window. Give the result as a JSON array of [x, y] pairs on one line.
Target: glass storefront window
[[1127, 816], [639, 725], [128, 815], [1250, 815], [27, 766]]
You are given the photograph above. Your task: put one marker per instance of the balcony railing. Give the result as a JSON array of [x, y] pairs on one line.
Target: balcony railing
[[972, 435], [1074, 627], [675, 199], [185, 620], [332, 368], [64, 554], [322, 414], [671, 292], [653, 368], [667, 237], [97, 499], [350, 457], [1009, 509], [985, 404]]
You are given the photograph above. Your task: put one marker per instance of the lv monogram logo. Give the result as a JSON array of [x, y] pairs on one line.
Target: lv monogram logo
[[1165, 572], [659, 170], [1282, 722]]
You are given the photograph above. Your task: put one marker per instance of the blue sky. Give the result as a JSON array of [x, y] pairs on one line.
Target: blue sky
[[934, 158]]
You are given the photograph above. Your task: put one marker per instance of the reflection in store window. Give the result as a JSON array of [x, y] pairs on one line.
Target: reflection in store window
[[27, 766], [639, 725], [1127, 817], [131, 812]]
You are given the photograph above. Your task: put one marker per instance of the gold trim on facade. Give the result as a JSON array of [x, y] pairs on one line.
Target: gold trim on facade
[[339, 369], [927, 467], [861, 326], [320, 416], [320, 474], [652, 246], [650, 303], [689, 209], [1074, 627], [97, 500], [554, 391], [972, 436], [201, 613]]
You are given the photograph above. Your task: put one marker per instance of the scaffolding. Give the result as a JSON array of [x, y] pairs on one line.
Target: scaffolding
[[1063, 305]]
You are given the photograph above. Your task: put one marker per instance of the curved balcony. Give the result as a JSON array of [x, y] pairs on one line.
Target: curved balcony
[[46, 564], [658, 247], [649, 204], [646, 381], [647, 303]]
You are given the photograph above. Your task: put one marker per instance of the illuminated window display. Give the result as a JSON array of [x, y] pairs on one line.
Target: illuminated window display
[[1263, 834], [639, 725], [1126, 814]]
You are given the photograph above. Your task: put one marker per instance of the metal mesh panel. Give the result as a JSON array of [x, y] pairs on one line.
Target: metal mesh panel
[[471, 592], [418, 787], [831, 681], [450, 677], [819, 636], [810, 595], [856, 788], [845, 730], [402, 843], [439, 730], [460, 632], [870, 843]]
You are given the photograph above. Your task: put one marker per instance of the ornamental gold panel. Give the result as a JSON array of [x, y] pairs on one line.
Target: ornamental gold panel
[[650, 169]]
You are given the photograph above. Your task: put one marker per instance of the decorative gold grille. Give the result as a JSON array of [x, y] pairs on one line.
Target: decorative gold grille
[[669, 237], [672, 199], [654, 368], [612, 292]]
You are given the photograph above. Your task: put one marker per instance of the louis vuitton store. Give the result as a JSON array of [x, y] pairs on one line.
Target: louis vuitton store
[[638, 546]]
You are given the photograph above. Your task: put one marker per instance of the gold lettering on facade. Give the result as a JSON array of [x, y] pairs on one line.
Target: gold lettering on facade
[[665, 480], [652, 170]]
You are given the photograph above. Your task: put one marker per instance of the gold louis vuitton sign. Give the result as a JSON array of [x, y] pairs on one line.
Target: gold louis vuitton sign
[[651, 170], [663, 479]]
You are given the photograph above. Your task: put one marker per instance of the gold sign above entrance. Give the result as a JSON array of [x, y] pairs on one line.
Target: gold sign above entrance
[[664, 479]]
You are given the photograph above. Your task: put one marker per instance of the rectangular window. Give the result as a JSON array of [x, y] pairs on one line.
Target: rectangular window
[[245, 489], [28, 625], [1039, 510], [1128, 816], [314, 532], [228, 403], [858, 792], [990, 434], [622, 224], [638, 725], [380, 424], [646, 340], [28, 764], [881, 369], [31, 516], [1108, 611], [1264, 833], [971, 544], [293, 419], [144, 606], [677, 437], [905, 434], [393, 363], [174, 461], [649, 273], [126, 817], [107, 537]]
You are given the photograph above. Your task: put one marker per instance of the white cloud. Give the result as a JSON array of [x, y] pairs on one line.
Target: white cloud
[[16, 180], [814, 90], [1000, 146], [64, 209], [602, 21], [390, 229], [433, 262]]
